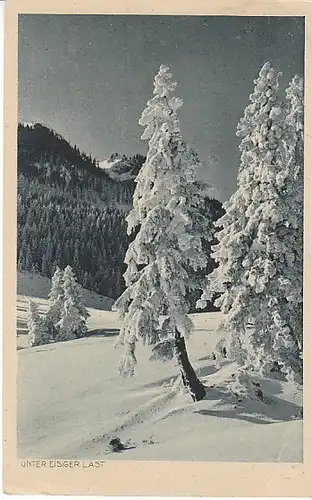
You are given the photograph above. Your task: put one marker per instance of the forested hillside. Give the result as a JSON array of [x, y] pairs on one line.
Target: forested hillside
[[69, 211], [72, 212]]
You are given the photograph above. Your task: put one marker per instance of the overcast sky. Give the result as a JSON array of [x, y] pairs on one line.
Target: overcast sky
[[89, 77]]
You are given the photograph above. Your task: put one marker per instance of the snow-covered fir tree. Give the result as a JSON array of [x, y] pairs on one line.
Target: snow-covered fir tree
[[168, 243], [292, 179], [74, 313], [259, 262], [56, 301], [37, 332]]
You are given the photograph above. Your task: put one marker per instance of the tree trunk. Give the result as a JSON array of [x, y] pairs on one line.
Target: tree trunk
[[189, 377]]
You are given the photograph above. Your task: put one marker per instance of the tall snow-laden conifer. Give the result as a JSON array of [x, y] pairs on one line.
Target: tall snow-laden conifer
[[257, 267], [168, 243], [74, 313], [294, 190], [37, 332]]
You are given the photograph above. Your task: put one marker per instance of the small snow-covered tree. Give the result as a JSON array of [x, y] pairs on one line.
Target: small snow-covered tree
[[56, 299], [74, 313], [37, 332], [255, 256], [71, 324], [153, 307]]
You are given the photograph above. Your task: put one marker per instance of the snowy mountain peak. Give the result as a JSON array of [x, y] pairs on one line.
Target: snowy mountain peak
[[121, 168]]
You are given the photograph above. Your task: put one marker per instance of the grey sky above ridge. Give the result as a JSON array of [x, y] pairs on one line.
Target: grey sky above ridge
[[89, 77]]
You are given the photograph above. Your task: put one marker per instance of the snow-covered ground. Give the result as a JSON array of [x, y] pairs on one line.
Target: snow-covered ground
[[71, 401], [31, 286]]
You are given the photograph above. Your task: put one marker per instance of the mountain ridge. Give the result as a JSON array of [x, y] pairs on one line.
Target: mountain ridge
[[72, 212]]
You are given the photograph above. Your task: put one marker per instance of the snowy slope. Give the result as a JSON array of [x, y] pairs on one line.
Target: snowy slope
[[71, 400], [31, 286], [34, 285]]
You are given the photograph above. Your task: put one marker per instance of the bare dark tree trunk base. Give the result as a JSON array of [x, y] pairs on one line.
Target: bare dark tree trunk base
[[190, 381]]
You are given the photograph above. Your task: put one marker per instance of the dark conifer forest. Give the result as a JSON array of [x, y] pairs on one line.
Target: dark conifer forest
[[71, 212]]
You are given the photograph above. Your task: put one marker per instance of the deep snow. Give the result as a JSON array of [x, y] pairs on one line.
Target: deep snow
[[71, 400], [31, 286]]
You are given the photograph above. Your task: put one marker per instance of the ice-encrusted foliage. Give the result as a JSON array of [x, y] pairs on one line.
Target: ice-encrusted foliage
[[37, 332], [169, 241], [291, 182], [74, 313], [259, 252], [56, 298]]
